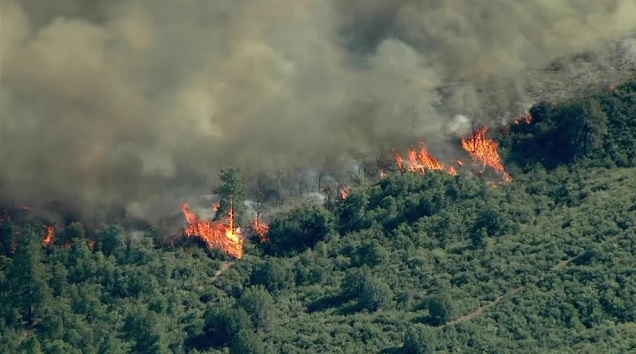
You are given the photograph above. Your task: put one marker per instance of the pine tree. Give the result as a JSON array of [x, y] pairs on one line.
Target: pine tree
[[6, 238], [30, 293], [231, 193]]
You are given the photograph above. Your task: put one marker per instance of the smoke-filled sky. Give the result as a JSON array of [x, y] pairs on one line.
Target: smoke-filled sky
[[111, 101]]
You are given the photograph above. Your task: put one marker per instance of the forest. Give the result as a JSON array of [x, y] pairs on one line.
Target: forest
[[413, 263]]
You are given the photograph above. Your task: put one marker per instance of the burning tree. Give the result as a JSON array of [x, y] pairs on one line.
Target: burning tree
[[220, 234], [484, 150], [232, 194]]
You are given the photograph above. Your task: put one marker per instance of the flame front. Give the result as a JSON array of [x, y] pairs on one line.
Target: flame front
[[215, 234], [50, 236], [420, 161], [484, 150]]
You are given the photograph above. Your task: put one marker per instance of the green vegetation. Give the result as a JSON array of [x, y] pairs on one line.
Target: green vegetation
[[411, 264]]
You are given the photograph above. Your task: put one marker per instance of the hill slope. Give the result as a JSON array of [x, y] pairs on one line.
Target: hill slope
[[415, 263]]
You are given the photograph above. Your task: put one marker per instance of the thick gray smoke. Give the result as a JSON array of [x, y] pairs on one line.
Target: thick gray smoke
[[117, 102]]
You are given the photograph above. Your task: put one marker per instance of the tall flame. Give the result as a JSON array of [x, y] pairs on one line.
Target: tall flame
[[420, 161], [484, 150], [50, 236], [216, 234]]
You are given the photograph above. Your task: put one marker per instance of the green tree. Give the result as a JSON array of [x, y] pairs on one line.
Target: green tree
[[419, 340], [231, 193], [31, 346], [440, 309], [375, 294], [108, 238], [246, 342], [352, 211], [301, 228], [80, 262], [223, 324], [259, 303], [490, 220], [274, 274], [28, 288], [351, 285], [141, 328], [6, 237], [479, 238], [594, 130], [60, 347], [370, 253], [74, 231]]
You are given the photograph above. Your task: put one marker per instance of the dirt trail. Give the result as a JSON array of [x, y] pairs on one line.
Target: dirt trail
[[481, 309]]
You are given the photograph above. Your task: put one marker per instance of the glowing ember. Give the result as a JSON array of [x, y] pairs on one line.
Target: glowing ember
[[484, 150], [420, 161], [344, 192], [50, 236], [215, 207], [524, 119], [261, 229], [215, 234]]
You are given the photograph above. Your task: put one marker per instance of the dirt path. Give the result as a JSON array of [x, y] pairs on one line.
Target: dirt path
[[481, 309]]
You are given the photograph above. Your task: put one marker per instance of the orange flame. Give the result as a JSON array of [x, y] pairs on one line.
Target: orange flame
[[261, 229], [484, 150], [420, 161], [50, 236], [214, 234], [215, 206], [527, 118], [344, 192]]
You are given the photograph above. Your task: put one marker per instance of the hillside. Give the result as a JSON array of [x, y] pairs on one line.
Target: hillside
[[415, 263]]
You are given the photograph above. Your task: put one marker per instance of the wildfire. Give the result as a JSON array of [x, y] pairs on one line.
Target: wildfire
[[484, 150], [215, 234], [261, 229], [344, 192], [420, 161], [50, 236], [527, 118]]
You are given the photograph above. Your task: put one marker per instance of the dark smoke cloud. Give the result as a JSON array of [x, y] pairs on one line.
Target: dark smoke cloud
[[114, 103]]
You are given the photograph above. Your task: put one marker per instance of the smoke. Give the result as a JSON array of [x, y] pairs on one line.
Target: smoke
[[113, 103]]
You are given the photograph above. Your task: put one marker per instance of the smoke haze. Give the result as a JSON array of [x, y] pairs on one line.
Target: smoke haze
[[113, 103]]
